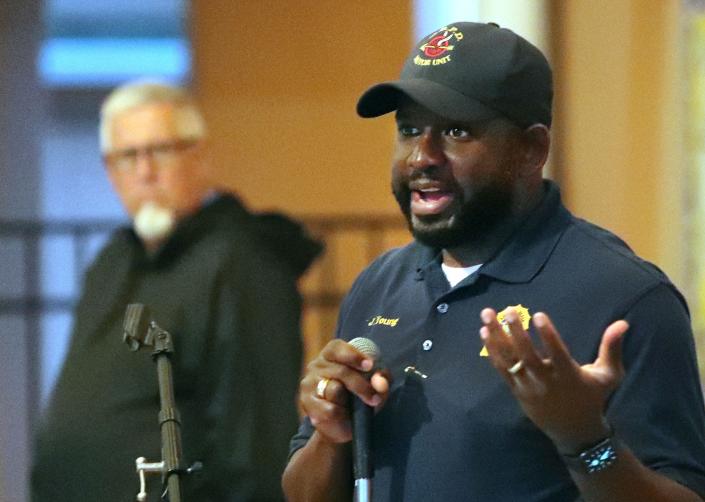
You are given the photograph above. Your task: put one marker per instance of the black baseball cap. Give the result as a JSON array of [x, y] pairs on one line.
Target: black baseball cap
[[470, 71]]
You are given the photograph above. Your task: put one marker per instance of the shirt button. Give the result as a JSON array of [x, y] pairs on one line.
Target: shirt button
[[427, 344], [442, 308]]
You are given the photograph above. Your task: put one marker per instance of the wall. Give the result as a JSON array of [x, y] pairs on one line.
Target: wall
[[21, 101], [279, 81], [619, 121]]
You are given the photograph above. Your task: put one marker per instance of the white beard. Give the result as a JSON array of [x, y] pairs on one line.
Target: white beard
[[153, 222]]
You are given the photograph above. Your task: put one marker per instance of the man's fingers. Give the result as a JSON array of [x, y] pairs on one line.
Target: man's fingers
[[332, 390], [342, 379], [331, 420], [488, 317], [556, 350], [512, 349], [496, 340], [341, 352], [380, 382], [610, 353], [524, 348], [341, 362]]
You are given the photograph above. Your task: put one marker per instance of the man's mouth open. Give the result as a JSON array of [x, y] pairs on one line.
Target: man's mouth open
[[430, 201]]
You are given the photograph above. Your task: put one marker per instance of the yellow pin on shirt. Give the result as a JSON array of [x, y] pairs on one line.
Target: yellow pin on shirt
[[524, 317]]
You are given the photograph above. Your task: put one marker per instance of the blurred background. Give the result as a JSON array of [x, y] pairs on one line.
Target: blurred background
[[278, 81]]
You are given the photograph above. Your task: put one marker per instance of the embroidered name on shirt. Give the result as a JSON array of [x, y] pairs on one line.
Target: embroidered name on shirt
[[378, 319]]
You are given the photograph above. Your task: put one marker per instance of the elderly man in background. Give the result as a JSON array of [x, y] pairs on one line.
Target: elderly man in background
[[221, 280]]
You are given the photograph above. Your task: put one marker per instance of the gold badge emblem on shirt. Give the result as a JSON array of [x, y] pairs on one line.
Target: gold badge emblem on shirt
[[524, 317]]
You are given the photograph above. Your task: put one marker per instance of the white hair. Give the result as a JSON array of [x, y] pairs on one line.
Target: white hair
[[190, 122]]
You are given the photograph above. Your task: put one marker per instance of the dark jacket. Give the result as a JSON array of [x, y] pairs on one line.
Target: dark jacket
[[224, 286]]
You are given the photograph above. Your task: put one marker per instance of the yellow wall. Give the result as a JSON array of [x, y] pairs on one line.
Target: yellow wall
[[279, 81], [619, 120]]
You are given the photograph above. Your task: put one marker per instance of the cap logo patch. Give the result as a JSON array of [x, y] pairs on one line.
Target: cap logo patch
[[435, 50]]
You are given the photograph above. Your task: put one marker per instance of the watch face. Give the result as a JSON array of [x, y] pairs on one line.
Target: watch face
[[599, 457]]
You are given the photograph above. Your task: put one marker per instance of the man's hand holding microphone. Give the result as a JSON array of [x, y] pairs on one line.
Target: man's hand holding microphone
[[340, 373], [342, 388]]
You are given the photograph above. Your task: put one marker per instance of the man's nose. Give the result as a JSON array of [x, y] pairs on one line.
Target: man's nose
[[427, 151], [145, 165]]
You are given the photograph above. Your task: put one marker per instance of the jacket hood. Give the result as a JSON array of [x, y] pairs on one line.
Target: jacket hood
[[288, 239]]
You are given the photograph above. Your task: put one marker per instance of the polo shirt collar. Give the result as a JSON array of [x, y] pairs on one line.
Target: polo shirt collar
[[525, 253]]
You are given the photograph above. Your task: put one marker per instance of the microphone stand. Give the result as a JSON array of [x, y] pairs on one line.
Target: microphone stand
[[138, 332]]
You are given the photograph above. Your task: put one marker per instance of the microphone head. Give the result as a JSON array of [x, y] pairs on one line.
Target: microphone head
[[366, 346]]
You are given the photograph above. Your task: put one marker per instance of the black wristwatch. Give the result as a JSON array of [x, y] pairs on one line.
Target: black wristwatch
[[595, 459]]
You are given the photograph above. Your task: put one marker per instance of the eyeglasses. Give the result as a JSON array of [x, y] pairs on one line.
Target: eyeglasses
[[161, 154]]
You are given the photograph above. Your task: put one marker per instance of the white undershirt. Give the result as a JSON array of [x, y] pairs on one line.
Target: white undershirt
[[457, 274]]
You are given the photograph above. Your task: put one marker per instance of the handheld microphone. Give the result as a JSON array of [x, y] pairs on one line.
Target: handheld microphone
[[362, 429]]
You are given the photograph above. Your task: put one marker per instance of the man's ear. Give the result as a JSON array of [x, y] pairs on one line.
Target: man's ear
[[536, 141]]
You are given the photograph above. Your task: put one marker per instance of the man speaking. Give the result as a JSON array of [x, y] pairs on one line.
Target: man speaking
[[482, 399]]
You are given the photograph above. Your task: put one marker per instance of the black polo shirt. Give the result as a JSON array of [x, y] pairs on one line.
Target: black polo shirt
[[459, 434]]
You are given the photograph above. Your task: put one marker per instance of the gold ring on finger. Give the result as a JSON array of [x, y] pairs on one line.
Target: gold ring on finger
[[321, 387], [516, 367]]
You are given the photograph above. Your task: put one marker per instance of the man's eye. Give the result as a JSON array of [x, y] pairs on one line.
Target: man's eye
[[457, 132], [407, 130]]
